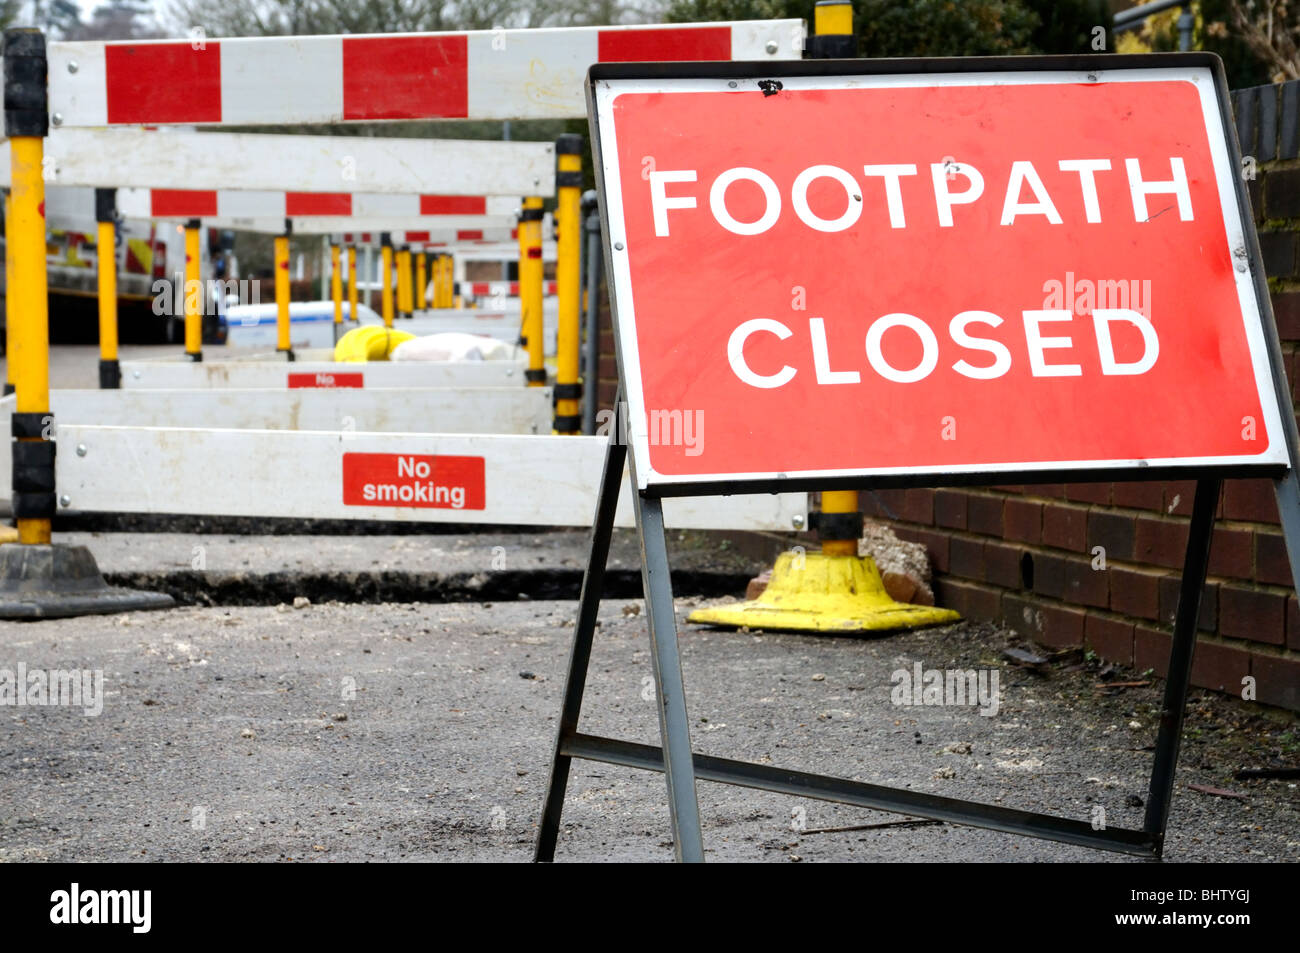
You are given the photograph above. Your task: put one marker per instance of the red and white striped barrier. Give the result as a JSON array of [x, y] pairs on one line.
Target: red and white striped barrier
[[74, 207], [498, 289], [402, 231], [265, 204], [486, 74], [442, 237], [498, 74]]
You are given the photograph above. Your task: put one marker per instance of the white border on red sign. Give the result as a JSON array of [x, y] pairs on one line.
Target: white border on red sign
[[606, 92]]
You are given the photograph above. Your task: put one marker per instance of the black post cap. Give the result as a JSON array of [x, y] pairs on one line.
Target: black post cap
[[568, 144], [105, 205], [26, 96]]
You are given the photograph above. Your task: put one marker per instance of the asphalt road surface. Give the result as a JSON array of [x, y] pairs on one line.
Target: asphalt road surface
[[419, 728], [423, 732]]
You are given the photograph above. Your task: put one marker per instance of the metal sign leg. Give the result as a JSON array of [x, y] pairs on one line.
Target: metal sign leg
[[575, 681], [1288, 508], [675, 758], [1180, 660], [674, 729]]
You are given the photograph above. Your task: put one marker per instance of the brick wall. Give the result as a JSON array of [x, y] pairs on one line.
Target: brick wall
[[1098, 564], [607, 372]]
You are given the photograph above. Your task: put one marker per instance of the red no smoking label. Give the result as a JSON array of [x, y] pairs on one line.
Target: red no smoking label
[[327, 379], [405, 479], [973, 273]]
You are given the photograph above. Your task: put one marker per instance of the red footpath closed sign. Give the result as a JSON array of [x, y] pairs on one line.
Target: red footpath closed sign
[[327, 379], [910, 273], [404, 479]]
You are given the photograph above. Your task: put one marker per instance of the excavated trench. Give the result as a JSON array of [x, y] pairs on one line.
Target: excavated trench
[[196, 588], [266, 526], [704, 565]]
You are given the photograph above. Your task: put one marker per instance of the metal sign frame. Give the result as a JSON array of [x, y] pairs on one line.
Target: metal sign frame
[[674, 756]]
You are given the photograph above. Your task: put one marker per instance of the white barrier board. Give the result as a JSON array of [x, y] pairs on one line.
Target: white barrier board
[[184, 375], [490, 410], [448, 478], [125, 157]]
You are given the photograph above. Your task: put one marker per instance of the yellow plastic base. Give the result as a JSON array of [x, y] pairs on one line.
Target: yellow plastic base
[[813, 592], [8, 534]]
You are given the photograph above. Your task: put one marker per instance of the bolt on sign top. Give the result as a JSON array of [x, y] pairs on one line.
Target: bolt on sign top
[[996, 269]]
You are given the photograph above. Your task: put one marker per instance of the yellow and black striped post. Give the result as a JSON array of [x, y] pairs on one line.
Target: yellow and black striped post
[[839, 525], [834, 590], [833, 37], [530, 290], [26, 124], [405, 304], [421, 281], [38, 579], [283, 327], [9, 272], [110, 372], [352, 283], [386, 284], [336, 284], [442, 293], [568, 280], [193, 292]]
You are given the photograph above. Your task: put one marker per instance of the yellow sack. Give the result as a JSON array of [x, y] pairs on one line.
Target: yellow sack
[[373, 342]]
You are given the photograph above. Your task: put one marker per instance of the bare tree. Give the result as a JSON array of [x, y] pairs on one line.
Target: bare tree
[[285, 17], [1271, 28], [118, 20], [9, 10]]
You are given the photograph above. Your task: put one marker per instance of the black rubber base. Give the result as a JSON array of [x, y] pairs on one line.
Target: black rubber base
[[110, 375], [52, 582]]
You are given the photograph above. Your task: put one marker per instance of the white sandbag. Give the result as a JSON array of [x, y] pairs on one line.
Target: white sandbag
[[453, 346]]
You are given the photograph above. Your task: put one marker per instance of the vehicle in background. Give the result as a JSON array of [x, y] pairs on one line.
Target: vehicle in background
[[150, 273], [311, 323]]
